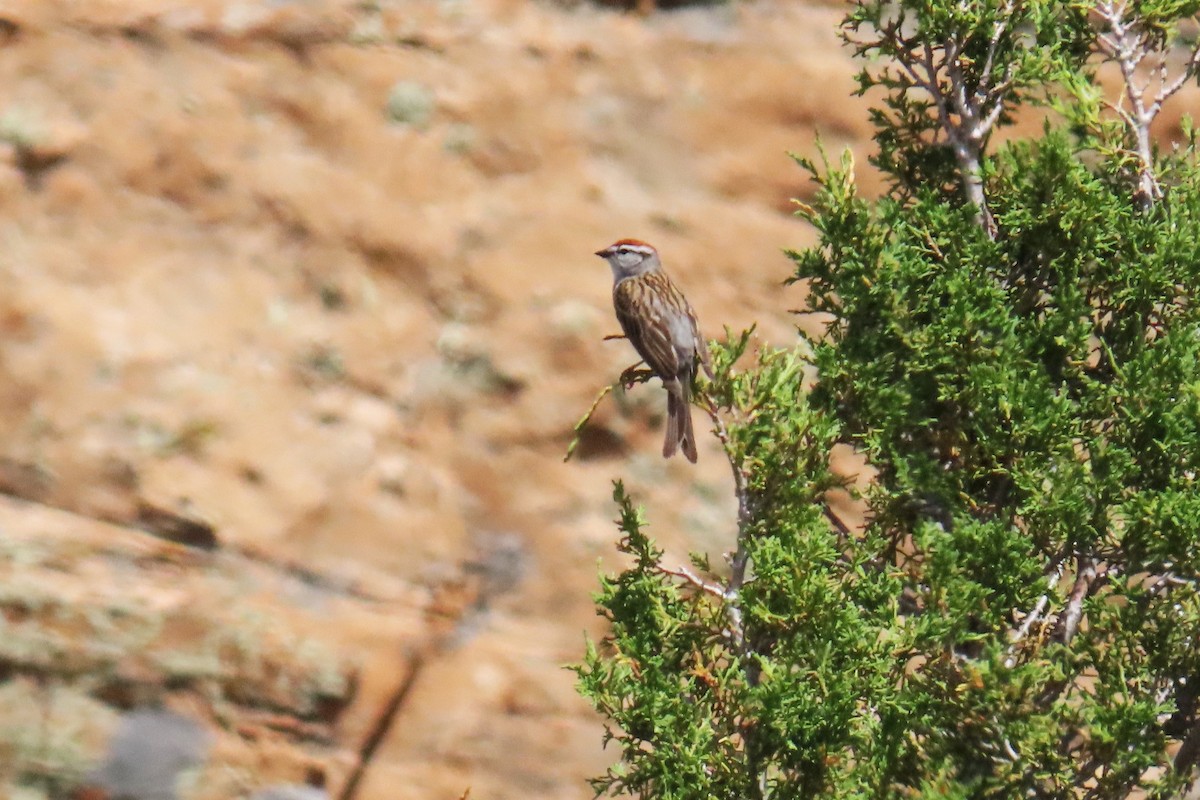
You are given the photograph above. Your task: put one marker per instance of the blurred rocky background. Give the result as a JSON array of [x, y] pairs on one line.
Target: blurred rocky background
[[297, 312]]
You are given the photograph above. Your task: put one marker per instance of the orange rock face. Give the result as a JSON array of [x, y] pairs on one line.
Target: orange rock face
[[299, 309]]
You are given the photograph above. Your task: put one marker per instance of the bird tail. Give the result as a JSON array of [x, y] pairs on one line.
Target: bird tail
[[679, 423]]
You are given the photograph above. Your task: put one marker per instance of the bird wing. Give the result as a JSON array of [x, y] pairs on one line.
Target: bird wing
[[643, 308]]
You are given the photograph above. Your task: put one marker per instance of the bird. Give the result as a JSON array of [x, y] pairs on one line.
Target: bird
[[661, 325]]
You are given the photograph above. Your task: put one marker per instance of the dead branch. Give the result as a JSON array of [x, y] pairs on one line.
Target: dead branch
[[1085, 576], [1128, 44], [695, 580]]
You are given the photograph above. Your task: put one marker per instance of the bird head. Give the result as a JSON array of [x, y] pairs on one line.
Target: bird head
[[630, 257]]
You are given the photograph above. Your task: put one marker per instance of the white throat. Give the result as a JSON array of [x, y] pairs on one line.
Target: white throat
[[622, 271]]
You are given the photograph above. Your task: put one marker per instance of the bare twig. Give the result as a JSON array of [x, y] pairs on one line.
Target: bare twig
[[1169, 89], [584, 420], [1189, 752], [839, 525], [985, 79], [1127, 44], [965, 117], [1161, 583], [1031, 618], [1085, 576], [1035, 614], [630, 376], [696, 581]]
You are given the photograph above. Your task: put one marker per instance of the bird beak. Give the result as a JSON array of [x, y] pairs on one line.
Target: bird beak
[[602, 253]]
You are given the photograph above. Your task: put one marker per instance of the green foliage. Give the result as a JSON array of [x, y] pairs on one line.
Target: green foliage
[[681, 665], [1019, 615], [1005, 53]]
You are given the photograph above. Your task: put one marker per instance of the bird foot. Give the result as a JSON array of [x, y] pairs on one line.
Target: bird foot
[[633, 376]]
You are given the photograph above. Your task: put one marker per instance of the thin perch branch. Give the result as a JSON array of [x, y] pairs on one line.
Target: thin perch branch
[[629, 377], [584, 420]]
